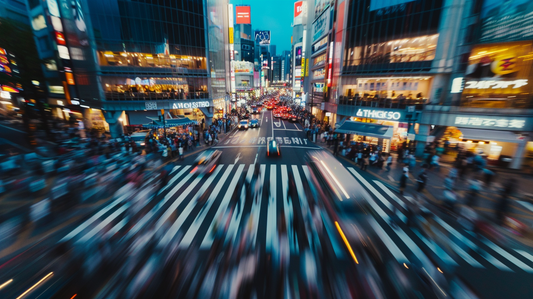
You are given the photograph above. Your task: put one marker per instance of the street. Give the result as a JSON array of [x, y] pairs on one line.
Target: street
[[191, 207]]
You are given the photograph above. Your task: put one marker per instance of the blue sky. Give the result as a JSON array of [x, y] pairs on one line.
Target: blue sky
[[273, 15]]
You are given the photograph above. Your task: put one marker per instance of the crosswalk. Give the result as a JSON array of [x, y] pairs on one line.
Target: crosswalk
[[465, 249], [194, 207]]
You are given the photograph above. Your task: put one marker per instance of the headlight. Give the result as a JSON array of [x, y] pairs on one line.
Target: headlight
[[142, 144]]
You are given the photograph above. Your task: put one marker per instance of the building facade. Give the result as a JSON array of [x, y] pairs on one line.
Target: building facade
[[130, 59]]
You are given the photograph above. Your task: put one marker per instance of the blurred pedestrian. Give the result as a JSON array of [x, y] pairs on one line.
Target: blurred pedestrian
[[389, 162], [422, 180], [403, 181]]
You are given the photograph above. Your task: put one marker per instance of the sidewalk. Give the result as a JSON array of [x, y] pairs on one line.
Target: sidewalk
[[521, 206]]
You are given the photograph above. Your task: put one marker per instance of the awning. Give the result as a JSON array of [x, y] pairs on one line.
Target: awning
[[366, 129], [489, 135], [171, 123], [141, 117]]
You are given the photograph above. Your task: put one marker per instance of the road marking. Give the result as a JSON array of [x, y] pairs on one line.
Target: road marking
[[258, 204], [283, 124], [507, 255], [525, 254], [396, 252], [238, 158], [527, 205], [389, 193], [272, 211], [287, 130], [195, 226], [436, 249], [103, 224], [208, 239], [254, 146], [371, 189], [190, 206], [255, 161], [177, 176], [385, 217], [93, 218]]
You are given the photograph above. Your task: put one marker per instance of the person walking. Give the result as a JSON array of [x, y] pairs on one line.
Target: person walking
[[403, 181], [422, 180], [502, 206], [365, 162], [389, 162]]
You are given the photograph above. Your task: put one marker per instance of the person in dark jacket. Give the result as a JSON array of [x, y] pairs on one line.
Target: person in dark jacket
[[403, 181], [422, 180]]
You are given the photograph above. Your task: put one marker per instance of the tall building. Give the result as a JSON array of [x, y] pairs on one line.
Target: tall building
[[285, 65], [17, 10], [435, 72], [276, 68], [244, 50], [119, 63]]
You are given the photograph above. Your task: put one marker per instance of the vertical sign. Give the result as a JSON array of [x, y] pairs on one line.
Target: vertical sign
[[243, 15], [231, 48], [298, 12], [330, 63]]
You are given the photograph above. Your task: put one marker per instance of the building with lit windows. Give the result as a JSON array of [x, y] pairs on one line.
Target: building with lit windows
[[119, 63], [437, 72]]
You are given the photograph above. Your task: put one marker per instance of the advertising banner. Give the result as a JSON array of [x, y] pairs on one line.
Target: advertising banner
[[321, 6], [298, 56], [298, 12], [242, 15], [262, 37], [321, 26], [243, 67], [507, 20]]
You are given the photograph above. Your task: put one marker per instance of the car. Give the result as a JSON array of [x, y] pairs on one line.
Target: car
[[139, 138], [273, 149], [254, 123], [255, 110], [293, 118], [207, 162], [277, 114], [243, 124], [285, 116]]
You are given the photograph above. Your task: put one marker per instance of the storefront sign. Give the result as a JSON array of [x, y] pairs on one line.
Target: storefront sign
[[495, 84], [321, 25], [378, 114], [191, 105], [486, 122]]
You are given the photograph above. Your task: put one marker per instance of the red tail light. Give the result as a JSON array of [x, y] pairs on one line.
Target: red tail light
[[214, 166]]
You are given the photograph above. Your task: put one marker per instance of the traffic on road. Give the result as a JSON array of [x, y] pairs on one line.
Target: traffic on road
[[264, 212]]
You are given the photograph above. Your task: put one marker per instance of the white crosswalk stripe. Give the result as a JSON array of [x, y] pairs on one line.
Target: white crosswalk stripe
[[193, 229], [272, 211], [456, 245], [208, 239]]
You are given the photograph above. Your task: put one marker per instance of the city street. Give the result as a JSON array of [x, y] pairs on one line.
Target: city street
[[190, 206]]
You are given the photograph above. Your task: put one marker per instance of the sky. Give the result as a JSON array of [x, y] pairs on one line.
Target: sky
[[273, 15]]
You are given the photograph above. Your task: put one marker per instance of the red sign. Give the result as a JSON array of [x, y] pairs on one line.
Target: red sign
[[60, 39], [243, 15], [298, 8]]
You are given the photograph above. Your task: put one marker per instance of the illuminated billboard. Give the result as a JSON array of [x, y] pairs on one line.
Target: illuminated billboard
[[298, 12], [262, 37], [321, 6], [242, 15], [243, 67], [506, 20]]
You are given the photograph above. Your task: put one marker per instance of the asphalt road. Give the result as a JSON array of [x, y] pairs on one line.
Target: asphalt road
[[493, 270]]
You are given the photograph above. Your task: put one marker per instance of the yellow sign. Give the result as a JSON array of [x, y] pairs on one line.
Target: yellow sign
[[162, 111], [307, 67], [303, 68], [231, 35]]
